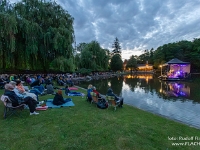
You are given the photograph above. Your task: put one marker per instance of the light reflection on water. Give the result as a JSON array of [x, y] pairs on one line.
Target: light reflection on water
[[175, 100]]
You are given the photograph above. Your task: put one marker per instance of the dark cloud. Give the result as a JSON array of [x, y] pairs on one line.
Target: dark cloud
[[138, 24]]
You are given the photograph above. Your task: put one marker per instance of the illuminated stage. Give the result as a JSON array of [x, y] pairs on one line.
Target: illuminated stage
[[176, 70]]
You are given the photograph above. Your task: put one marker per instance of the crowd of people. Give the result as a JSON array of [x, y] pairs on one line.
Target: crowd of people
[[40, 85]]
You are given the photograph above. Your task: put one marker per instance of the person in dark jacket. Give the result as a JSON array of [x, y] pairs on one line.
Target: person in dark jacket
[[37, 84], [16, 101], [58, 98], [117, 99]]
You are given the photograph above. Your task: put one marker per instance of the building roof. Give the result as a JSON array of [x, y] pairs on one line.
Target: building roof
[[176, 61]]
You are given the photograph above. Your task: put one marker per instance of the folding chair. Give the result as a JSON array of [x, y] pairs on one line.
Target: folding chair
[[95, 98], [9, 109], [112, 102]]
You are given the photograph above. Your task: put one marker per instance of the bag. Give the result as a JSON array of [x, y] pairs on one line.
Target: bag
[[102, 104], [42, 108]]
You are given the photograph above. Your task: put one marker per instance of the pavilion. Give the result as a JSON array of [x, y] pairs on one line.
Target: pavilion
[[177, 69]]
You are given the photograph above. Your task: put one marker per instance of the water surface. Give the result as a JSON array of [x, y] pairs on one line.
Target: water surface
[[178, 101]]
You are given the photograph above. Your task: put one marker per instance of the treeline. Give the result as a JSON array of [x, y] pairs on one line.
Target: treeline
[[36, 35], [188, 51], [39, 36]]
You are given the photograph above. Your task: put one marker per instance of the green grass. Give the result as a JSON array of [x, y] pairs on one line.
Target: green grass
[[87, 127]]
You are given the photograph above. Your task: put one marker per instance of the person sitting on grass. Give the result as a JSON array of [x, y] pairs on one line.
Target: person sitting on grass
[[68, 92], [49, 87], [117, 99], [37, 84], [58, 98], [16, 101]]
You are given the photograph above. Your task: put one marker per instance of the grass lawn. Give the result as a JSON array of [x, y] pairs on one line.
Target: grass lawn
[[87, 127]]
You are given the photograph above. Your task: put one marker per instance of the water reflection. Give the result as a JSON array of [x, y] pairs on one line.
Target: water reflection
[[175, 100], [176, 89]]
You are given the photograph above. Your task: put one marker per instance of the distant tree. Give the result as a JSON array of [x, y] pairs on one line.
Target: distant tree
[[116, 47], [132, 63], [81, 46], [93, 57], [116, 63]]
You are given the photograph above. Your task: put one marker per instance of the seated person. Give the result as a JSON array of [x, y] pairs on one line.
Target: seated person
[[38, 85], [97, 93], [89, 97], [49, 87], [69, 81], [60, 81], [28, 80], [16, 101], [58, 98], [22, 91], [117, 99], [67, 91], [2, 82]]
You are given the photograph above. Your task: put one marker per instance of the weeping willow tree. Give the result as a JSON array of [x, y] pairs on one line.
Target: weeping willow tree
[[34, 33], [8, 29], [94, 57], [62, 64]]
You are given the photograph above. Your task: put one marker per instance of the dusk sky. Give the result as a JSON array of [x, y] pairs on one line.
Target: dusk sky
[[138, 24]]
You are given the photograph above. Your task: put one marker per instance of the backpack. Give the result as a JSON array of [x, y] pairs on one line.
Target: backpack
[[102, 104]]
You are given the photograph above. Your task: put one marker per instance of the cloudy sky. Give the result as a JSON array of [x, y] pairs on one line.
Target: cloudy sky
[[138, 24]]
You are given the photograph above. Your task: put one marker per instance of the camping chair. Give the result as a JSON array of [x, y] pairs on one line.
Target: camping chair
[[112, 102], [8, 108], [95, 98]]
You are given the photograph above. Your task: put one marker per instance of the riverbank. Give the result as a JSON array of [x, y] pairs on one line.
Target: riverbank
[[84, 126]]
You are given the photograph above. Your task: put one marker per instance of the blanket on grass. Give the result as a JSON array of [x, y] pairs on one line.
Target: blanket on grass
[[73, 88], [76, 94], [67, 104]]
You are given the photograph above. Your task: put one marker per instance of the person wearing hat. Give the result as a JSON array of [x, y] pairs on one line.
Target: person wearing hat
[[16, 101]]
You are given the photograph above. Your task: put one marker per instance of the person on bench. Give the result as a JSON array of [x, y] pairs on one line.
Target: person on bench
[[16, 101]]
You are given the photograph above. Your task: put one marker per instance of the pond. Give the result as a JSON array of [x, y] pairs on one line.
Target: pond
[[179, 101]]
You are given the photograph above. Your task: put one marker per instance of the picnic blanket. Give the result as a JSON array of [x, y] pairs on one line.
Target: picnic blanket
[[76, 94], [73, 88], [51, 105]]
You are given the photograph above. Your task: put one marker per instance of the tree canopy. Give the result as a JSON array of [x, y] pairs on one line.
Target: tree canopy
[[132, 63], [116, 63], [33, 34]]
